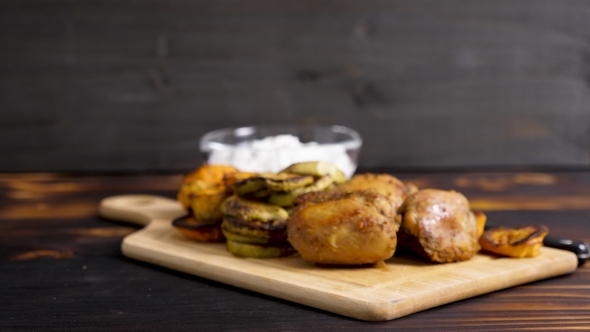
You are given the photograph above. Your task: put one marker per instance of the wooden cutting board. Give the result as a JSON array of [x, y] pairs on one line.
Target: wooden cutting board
[[399, 287]]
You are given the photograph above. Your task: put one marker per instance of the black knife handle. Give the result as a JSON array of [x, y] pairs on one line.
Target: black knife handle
[[580, 248]]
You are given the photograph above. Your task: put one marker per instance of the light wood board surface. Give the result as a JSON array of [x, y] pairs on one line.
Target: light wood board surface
[[399, 287]]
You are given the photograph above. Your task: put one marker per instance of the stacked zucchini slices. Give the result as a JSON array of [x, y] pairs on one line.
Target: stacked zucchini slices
[[255, 217]]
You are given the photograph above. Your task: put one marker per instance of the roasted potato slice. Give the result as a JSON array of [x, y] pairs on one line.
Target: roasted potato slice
[[186, 189], [249, 210], [205, 203], [205, 178], [199, 230], [514, 242], [481, 219], [318, 169], [210, 173]]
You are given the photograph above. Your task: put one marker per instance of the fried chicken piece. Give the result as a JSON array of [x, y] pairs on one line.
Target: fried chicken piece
[[439, 225], [343, 228], [384, 184]]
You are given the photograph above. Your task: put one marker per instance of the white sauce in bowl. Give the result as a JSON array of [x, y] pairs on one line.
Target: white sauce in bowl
[[275, 153]]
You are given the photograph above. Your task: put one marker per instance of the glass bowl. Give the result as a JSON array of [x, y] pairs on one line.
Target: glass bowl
[[272, 148]]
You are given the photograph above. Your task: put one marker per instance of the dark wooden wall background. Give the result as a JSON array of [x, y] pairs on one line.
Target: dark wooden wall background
[[131, 85]]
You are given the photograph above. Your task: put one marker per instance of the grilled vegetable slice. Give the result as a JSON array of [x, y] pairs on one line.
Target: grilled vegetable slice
[[249, 186], [250, 210], [317, 168], [514, 242], [229, 180], [199, 230], [271, 183], [287, 182], [254, 231], [230, 236], [286, 199], [259, 251]]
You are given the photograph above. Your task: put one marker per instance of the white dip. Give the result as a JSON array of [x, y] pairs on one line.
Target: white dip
[[275, 153]]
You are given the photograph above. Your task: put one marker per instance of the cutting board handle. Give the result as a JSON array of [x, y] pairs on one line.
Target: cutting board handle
[[140, 209]]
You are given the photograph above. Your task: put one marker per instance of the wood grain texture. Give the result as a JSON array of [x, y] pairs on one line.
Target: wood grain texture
[[64, 272], [132, 85]]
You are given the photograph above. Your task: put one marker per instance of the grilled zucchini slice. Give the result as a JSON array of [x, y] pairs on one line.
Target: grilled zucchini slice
[[254, 231], [258, 251], [252, 211], [271, 183], [286, 199], [317, 168]]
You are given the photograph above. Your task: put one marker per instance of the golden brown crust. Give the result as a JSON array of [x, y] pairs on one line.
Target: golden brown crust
[[210, 173], [343, 228], [204, 189], [384, 184], [481, 219], [441, 223]]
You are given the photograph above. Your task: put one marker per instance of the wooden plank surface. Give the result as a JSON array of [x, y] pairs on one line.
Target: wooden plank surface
[[61, 267], [132, 85]]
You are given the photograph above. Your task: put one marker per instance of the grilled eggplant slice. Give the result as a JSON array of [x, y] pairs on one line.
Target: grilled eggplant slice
[[318, 169], [249, 210], [199, 230], [514, 242]]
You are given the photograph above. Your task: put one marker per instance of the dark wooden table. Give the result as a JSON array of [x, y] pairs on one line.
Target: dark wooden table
[[61, 267]]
